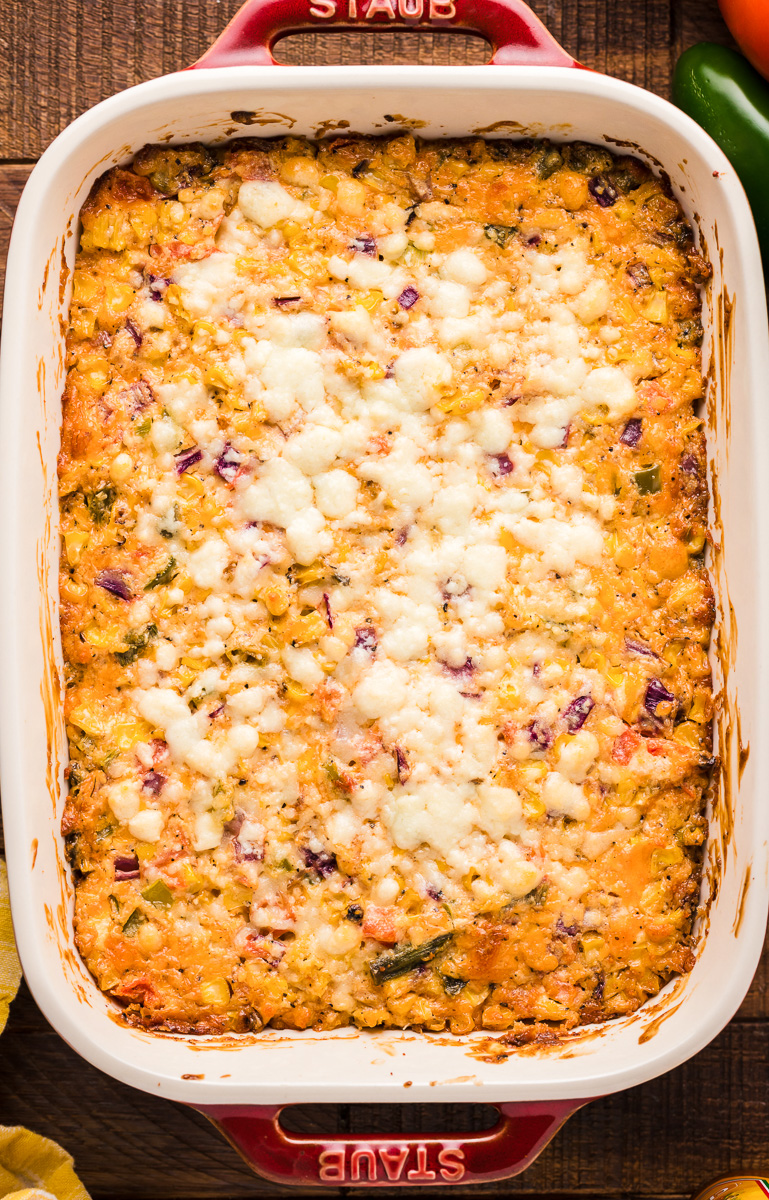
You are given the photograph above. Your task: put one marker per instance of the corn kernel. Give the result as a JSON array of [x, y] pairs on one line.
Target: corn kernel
[[276, 597], [371, 300], [533, 808], [216, 993], [149, 938], [127, 734], [74, 544], [118, 296], [219, 377], [121, 467], [73, 591], [191, 488], [699, 710], [351, 197], [92, 722], [463, 402], [295, 692], [308, 629], [108, 637], [301, 170], [666, 858], [573, 189]]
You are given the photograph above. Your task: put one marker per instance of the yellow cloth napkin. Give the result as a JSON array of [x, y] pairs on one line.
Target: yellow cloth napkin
[[34, 1168], [10, 967], [31, 1167]]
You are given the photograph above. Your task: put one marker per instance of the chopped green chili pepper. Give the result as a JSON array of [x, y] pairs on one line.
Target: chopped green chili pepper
[[500, 234], [105, 831], [548, 160], [400, 962], [114, 904], [158, 893], [649, 480], [99, 504], [138, 640], [145, 426], [729, 99], [136, 919], [164, 576]]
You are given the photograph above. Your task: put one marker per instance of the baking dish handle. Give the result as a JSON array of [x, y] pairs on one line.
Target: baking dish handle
[[402, 1160], [516, 35]]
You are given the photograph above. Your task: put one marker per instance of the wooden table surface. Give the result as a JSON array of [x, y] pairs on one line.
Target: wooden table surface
[[665, 1139]]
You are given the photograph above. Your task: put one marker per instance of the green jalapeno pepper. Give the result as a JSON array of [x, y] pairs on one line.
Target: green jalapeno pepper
[[720, 90]]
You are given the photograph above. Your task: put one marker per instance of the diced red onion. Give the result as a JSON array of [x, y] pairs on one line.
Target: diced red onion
[[366, 639], [656, 694], [639, 275], [566, 930], [153, 782], [603, 192], [434, 893], [187, 458], [634, 647], [158, 286], [261, 945], [390, 371], [104, 339], [321, 863], [404, 770], [114, 583], [134, 332], [327, 606], [126, 867], [511, 400], [228, 464], [141, 395], [534, 240], [364, 244], [466, 671], [565, 438], [501, 464], [247, 851], [234, 825], [284, 301], [215, 712], [535, 670], [540, 735], [631, 434], [577, 713], [408, 297], [402, 535], [689, 464]]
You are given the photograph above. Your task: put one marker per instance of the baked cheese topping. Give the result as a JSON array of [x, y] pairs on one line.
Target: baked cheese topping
[[383, 600]]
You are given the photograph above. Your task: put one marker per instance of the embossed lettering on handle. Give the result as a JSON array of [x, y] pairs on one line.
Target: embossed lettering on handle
[[516, 35], [428, 1160]]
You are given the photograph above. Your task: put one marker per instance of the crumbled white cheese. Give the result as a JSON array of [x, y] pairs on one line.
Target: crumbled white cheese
[[266, 202], [336, 493], [147, 825]]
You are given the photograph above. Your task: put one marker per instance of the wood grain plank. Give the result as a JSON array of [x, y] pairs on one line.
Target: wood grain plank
[[82, 52], [12, 180]]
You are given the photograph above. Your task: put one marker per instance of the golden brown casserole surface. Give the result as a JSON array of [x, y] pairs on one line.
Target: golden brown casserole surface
[[384, 610]]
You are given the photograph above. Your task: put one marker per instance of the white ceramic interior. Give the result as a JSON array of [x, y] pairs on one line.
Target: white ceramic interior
[[350, 1066]]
